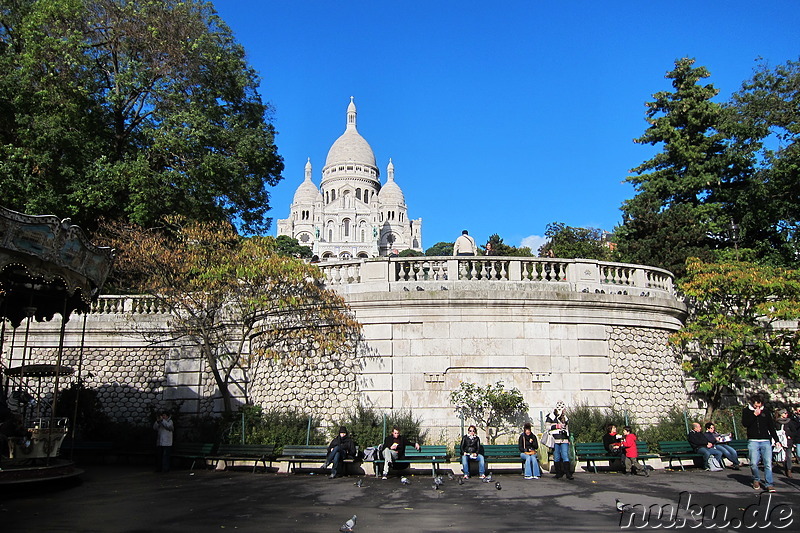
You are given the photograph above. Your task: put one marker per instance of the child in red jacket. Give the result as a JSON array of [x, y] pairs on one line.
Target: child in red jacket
[[631, 462]]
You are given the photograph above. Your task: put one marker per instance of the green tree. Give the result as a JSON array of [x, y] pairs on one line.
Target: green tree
[[503, 249], [492, 408], [131, 109], [677, 211], [569, 243], [737, 330], [408, 252], [765, 122], [291, 247], [235, 299], [440, 249]]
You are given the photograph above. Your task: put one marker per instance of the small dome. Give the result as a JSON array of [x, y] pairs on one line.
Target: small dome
[[307, 192], [391, 193]]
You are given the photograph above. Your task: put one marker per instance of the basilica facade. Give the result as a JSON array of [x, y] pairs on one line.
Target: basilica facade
[[351, 214]]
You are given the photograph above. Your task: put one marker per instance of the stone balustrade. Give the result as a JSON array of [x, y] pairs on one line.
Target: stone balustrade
[[471, 273]]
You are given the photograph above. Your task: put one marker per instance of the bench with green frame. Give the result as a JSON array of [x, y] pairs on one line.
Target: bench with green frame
[[192, 451], [679, 450], [591, 452], [258, 453], [433, 454], [296, 455]]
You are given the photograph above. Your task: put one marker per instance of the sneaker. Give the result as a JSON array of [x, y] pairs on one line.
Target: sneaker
[[756, 485], [536, 477], [770, 488], [735, 467], [384, 477], [482, 476], [333, 475], [466, 476], [529, 477]]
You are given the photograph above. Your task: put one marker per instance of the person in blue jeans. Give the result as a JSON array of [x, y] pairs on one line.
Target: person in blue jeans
[[727, 451], [758, 420], [557, 423], [471, 451], [528, 449]]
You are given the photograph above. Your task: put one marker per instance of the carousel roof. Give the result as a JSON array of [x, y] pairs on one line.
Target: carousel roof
[[47, 266], [39, 371]]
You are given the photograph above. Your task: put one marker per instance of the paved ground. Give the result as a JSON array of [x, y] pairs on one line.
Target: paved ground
[[133, 499]]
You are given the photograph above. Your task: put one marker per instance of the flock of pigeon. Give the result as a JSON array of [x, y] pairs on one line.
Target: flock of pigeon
[[438, 481]]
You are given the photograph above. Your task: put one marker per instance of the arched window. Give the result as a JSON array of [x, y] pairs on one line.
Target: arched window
[[333, 195], [346, 227], [358, 194], [363, 235], [330, 235], [366, 197], [326, 197]]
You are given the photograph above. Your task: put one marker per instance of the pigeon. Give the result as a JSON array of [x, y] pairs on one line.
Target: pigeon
[[489, 477], [404, 480], [497, 486], [444, 288], [435, 486], [438, 480], [621, 506], [420, 288], [359, 482], [460, 480], [450, 476], [406, 289], [349, 525]]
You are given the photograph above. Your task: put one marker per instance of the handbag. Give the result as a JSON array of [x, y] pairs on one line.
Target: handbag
[[548, 440], [713, 464]]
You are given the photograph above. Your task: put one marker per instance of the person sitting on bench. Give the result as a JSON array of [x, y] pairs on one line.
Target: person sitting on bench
[[394, 449]]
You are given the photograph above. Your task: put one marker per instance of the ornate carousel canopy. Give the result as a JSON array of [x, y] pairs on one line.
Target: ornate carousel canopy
[[47, 266]]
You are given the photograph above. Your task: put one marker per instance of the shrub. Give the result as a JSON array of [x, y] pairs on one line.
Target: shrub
[[276, 427], [588, 424], [365, 425], [671, 426]]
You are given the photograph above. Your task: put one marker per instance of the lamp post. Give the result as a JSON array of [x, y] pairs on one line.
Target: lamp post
[[734, 235]]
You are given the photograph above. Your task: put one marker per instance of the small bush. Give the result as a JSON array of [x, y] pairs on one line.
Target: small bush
[[276, 427], [366, 427], [671, 426], [588, 424]]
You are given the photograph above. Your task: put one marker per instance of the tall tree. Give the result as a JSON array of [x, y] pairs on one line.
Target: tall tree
[[569, 243], [235, 299], [501, 248], [494, 409], [131, 109], [676, 212], [737, 333], [765, 121]]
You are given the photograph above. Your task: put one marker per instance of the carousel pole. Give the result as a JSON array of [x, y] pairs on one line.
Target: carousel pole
[[74, 424], [11, 358], [64, 320], [23, 379]]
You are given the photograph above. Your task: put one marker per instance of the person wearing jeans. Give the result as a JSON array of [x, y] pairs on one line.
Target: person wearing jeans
[[758, 420], [471, 451], [528, 448]]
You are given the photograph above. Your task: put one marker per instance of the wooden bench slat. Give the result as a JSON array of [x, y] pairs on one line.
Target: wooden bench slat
[[258, 453]]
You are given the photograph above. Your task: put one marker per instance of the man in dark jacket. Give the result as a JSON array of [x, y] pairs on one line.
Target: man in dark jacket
[[700, 444], [757, 418], [340, 448], [394, 449]]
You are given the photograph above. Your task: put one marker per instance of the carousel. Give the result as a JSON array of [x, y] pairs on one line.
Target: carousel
[[47, 268]]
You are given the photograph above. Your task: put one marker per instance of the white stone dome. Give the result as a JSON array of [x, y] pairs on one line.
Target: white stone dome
[[391, 193], [307, 192], [351, 147]]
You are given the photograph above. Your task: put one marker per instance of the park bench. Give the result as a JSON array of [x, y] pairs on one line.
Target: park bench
[[433, 454], [591, 452], [258, 453], [192, 451], [678, 450], [296, 455]]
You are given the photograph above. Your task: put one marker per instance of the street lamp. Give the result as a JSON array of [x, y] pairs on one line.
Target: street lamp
[[734, 235]]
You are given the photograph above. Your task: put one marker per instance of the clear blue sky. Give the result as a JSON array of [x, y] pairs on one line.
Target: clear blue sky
[[500, 118]]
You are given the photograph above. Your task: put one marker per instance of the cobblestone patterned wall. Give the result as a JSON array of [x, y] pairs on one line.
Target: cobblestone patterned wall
[[646, 377], [320, 384], [129, 381]]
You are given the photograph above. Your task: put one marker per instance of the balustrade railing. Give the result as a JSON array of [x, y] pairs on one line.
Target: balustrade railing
[[564, 274]]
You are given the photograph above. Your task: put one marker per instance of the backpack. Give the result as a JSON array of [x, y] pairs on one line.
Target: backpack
[[713, 464], [370, 453]]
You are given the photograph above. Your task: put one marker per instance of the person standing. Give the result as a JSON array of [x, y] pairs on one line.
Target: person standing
[[340, 448], [165, 429], [557, 423], [784, 456], [465, 245], [394, 449], [471, 451], [631, 462], [757, 418], [528, 448]]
